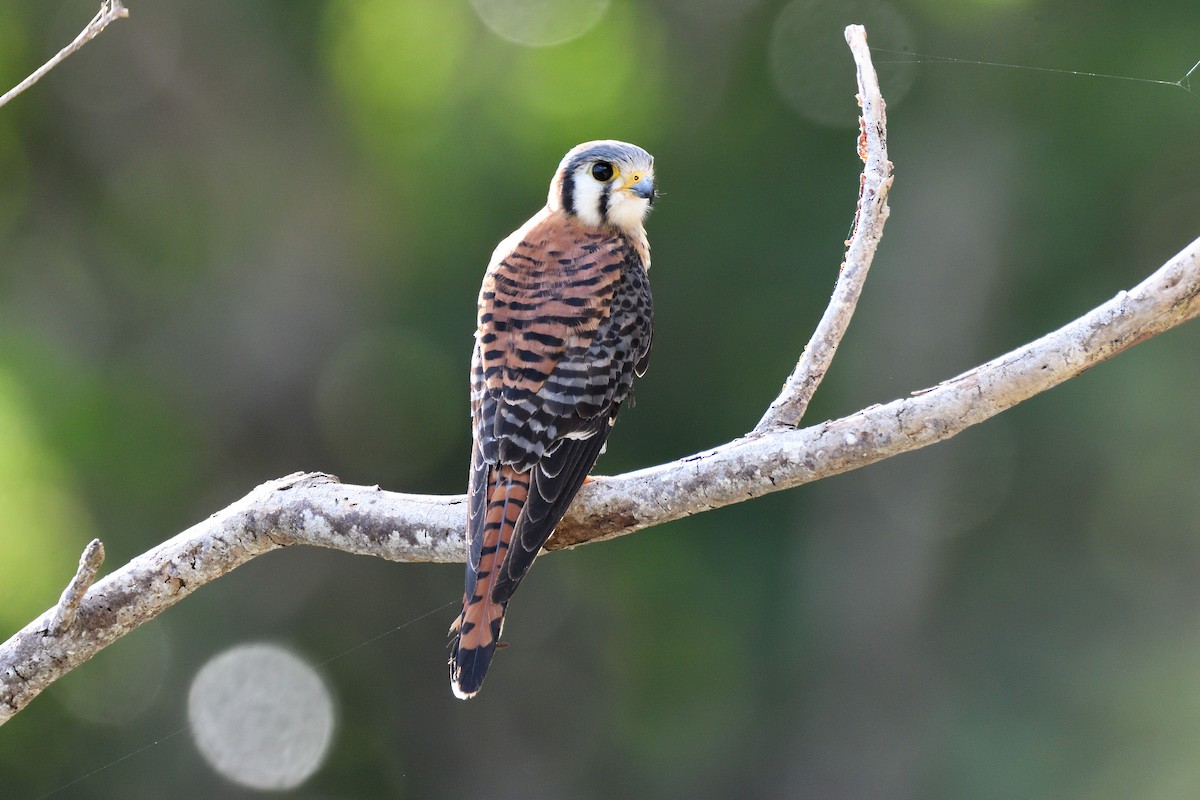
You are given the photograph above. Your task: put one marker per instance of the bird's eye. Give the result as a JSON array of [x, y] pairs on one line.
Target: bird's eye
[[602, 171]]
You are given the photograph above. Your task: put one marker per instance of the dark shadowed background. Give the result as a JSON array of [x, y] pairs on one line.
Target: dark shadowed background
[[243, 239]]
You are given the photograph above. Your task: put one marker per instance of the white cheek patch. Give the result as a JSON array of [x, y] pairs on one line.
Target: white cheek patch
[[626, 210], [587, 198]]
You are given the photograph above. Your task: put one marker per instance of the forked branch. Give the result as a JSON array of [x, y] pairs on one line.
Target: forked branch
[[314, 509], [788, 408]]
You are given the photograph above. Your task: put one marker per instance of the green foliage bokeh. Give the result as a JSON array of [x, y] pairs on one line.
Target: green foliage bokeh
[[240, 240]]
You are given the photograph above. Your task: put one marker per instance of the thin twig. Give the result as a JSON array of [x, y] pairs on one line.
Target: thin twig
[[110, 10], [788, 408], [72, 596]]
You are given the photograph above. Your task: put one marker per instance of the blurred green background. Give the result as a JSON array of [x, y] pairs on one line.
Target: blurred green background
[[243, 239]]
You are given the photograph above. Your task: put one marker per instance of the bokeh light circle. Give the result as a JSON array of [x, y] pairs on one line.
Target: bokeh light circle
[[812, 66], [261, 716], [540, 23]]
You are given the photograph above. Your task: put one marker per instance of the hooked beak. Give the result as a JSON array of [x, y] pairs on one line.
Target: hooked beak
[[644, 188]]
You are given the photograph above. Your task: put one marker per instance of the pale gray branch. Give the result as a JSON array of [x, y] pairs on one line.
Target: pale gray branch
[[314, 509], [788, 408], [768, 462], [110, 10], [72, 596]]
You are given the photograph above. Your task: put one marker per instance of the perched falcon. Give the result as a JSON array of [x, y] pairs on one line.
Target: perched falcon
[[564, 324]]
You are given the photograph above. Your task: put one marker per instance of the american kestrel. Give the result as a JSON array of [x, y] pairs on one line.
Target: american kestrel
[[564, 323]]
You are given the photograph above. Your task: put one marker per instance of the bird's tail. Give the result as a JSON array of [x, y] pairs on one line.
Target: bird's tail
[[477, 629]]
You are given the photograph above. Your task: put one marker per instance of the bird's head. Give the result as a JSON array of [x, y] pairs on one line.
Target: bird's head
[[604, 183]]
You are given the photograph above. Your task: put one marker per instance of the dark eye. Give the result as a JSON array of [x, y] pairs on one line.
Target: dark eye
[[602, 171]]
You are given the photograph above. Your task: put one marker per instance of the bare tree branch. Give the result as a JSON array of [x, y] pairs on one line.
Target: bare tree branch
[[788, 408], [759, 464], [314, 509], [110, 10]]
